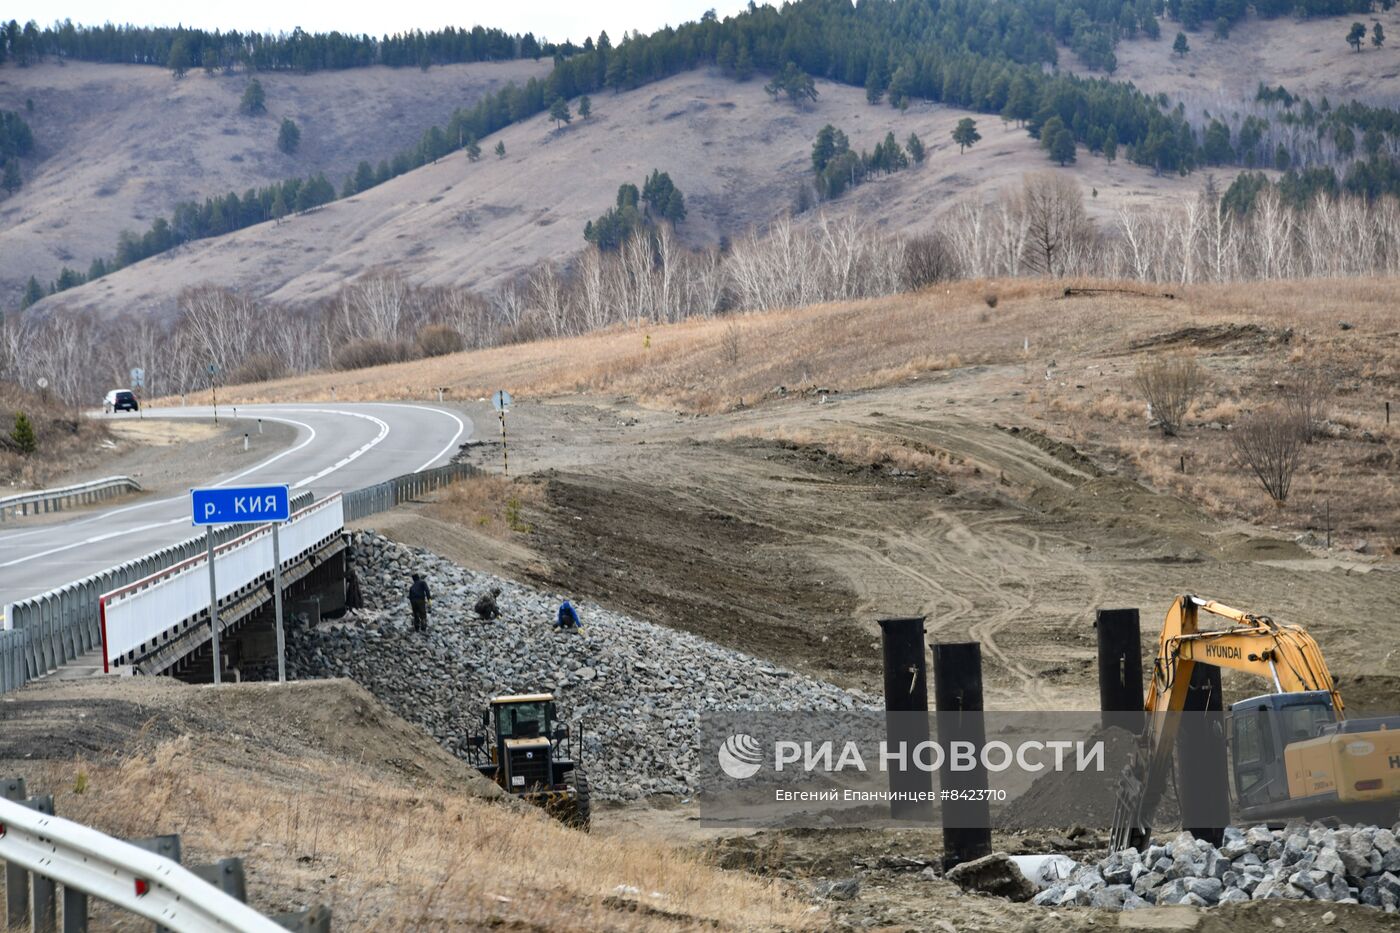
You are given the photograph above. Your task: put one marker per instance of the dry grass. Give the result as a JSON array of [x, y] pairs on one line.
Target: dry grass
[[330, 799], [66, 440], [493, 505], [1071, 360]]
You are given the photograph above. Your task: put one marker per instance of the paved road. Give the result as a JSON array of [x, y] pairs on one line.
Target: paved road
[[337, 447]]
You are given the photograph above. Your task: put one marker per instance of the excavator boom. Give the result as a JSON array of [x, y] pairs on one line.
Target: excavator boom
[[1285, 656]]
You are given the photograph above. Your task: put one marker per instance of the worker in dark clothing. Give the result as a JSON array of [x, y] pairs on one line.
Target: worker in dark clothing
[[418, 597], [486, 607], [567, 619]]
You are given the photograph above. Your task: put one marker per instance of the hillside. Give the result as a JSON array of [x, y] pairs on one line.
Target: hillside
[[118, 145], [737, 154], [1309, 57]]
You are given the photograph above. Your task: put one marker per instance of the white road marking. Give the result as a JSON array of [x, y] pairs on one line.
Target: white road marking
[[383, 433]]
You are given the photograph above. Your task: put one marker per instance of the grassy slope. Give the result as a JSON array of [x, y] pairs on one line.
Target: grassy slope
[[736, 154], [1306, 56], [118, 145], [331, 799], [1075, 384]]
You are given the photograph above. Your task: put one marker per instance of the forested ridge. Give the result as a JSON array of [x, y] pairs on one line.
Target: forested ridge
[[294, 51], [989, 56]]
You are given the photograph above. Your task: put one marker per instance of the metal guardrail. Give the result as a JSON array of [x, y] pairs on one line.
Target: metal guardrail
[[65, 623], [12, 659], [54, 500], [42, 851], [386, 495], [139, 613]]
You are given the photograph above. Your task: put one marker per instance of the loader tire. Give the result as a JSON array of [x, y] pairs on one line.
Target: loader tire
[[582, 814]]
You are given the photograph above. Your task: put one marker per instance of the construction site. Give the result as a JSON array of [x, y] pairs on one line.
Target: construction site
[[932, 504]]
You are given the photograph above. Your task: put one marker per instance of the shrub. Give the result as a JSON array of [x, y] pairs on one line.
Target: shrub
[[1270, 442], [440, 340], [1170, 385], [261, 367], [361, 354], [991, 299], [23, 435], [1307, 393], [927, 259], [730, 343]]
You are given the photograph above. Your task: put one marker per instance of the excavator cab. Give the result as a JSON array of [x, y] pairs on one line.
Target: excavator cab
[[1261, 729]]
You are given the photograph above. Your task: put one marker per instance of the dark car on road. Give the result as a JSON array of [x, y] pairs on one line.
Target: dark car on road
[[121, 400]]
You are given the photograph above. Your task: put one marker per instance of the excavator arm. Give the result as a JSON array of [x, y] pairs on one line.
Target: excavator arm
[[1284, 655]]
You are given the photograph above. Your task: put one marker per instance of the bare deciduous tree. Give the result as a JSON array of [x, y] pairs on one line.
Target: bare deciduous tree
[[1270, 443], [1307, 393], [1053, 208], [1170, 385]]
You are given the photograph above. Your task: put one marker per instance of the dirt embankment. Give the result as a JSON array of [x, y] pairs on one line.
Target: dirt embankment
[[331, 799], [791, 551]]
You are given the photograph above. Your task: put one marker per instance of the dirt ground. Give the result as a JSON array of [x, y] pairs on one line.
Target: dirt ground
[[791, 552]]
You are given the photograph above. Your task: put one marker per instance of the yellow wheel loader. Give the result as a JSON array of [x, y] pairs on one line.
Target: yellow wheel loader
[[1292, 752], [529, 753]]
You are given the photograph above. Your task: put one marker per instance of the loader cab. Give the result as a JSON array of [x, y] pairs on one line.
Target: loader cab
[[1261, 728], [528, 752]]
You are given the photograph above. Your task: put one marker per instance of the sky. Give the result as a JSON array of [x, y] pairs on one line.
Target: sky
[[552, 19]]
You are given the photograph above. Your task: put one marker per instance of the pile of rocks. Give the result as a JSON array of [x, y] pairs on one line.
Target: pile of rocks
[[1350, 865], [637, 689]]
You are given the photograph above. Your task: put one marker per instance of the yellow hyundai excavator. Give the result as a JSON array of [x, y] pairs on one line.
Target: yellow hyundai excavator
[[1293, 751]]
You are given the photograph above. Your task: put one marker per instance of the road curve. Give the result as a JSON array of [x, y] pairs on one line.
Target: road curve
[[337, 447]]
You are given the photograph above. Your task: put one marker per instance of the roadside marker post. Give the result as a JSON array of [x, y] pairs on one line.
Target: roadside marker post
[[501, 402], [243, 505]]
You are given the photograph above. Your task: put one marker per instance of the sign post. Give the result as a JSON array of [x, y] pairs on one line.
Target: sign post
[[214, 389], [243, 505], [501, 402]]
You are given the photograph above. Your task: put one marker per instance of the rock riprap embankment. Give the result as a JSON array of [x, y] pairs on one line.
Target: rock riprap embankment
[[1347, 864], [637, 689]]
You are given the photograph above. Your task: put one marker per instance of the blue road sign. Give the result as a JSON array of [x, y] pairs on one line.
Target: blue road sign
[[237, 505]]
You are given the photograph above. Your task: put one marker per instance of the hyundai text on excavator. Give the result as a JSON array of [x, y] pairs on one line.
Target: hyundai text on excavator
[[1293, 752]]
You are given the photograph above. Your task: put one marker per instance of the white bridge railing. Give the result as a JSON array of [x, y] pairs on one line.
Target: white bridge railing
[[140, 612]]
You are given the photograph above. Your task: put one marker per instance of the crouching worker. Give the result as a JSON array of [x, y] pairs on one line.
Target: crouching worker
[[567, 619], [486, 607]]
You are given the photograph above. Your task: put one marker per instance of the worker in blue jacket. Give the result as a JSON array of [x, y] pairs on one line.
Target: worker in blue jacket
[[567, 619]]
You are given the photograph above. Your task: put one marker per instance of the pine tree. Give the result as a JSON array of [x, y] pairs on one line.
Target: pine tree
[[794, 83], [1378, 35], [179, 60], [473, 149], [23, 435], [874, 87], [675, 206], [585, 107], [289, 136], [279, 205], [11, 180], [1181, 46], [743, 63], [254, 102], [965, 134], [915, 145], [501, 149], [33, 292], [1062, 147], [559, 112], [1356, 35]]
